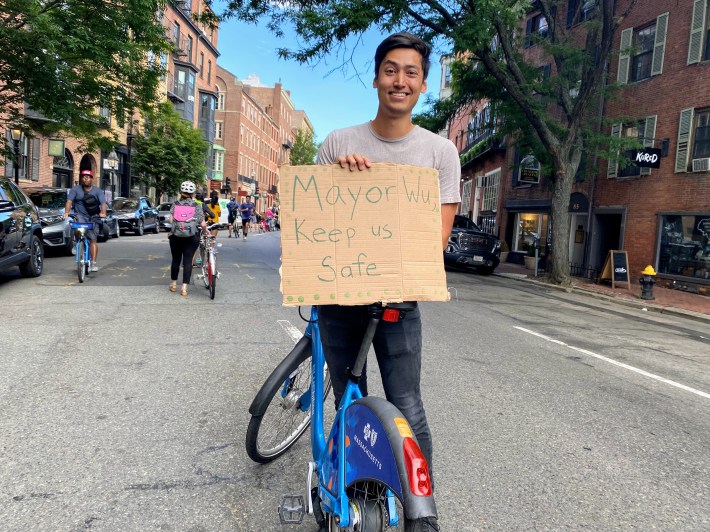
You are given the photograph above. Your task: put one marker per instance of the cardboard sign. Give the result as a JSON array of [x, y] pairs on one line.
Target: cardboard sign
[[353, 238]]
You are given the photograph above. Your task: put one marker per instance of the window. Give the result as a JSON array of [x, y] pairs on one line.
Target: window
[[685, 245], [176, 33], [530, 227], [189, 48], [220, 101], [447, 75], [105, 116], [643, 53], [218, 130], [218, 161], [580, 10], [701, 136], [201, 66], [209, 71], [644, 132], [535, 29], [699, 32], [491, 185]]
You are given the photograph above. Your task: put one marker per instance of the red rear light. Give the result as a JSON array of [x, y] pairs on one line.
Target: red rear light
[[418, 469], [390, 314]]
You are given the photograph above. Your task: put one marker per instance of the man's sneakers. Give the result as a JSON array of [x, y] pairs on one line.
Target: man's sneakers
[[94, 267], [425, 524]]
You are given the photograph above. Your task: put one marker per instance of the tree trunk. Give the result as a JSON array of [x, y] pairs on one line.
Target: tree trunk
[[560, 224]]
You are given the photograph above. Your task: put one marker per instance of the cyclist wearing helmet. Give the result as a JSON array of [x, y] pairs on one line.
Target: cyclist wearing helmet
[[183, 248], [88, 202]]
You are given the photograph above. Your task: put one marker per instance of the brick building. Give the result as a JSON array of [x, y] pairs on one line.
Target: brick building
[[250, 139], [660, 216]]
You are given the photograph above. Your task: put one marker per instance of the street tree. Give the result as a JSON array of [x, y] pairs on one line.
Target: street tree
[[65, 60], [551, 114], [304, 148], [171, 151]]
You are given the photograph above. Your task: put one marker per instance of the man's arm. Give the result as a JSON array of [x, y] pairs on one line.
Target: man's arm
[[68, 204], [104, 204], [448, 210]]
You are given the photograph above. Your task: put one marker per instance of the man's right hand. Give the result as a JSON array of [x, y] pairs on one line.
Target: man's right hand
[[354, 161]]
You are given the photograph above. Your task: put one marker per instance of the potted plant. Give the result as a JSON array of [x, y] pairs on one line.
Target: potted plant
[[530, 258], [504, 251]]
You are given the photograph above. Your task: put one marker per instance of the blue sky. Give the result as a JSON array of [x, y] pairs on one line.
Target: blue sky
[[332, 98]]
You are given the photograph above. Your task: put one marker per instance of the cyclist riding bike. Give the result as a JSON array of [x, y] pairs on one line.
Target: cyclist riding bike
[[401, 67], [88, 202], [233, 212]]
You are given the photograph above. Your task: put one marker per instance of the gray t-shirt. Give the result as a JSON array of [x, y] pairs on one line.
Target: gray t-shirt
[[418, 148]]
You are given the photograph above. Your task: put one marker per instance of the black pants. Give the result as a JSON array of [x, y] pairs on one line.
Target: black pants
[[398, 347], [182, 249]]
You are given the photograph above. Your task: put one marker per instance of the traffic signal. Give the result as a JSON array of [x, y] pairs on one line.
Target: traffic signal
[[256, 188], [228, 183]]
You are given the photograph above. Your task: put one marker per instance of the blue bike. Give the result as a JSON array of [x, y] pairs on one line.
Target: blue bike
[[370, 470], [83, 247]]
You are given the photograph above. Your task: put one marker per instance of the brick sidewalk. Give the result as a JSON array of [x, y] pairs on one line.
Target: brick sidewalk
[[665, 298]]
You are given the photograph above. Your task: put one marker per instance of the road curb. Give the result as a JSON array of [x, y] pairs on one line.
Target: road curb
[[640, 304]]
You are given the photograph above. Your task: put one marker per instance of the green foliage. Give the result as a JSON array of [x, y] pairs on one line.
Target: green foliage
[[549, 112], [65, 59], [304, 149], [170, 152]]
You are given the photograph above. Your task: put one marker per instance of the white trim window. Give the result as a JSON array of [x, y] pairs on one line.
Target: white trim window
[[218, 128], [218, 164]]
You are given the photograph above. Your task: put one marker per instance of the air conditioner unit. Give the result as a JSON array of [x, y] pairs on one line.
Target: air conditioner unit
[[701, 165]]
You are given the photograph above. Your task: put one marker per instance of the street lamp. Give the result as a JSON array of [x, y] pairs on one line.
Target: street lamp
[[16, 138], [112, 164]]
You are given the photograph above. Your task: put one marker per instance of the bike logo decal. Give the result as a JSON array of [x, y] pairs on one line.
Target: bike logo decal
[[370, 435]]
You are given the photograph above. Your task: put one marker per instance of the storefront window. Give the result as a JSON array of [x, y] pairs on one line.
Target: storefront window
[[685, 246], [530, 226]]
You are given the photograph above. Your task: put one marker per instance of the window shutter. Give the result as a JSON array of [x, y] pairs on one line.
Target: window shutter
[[613, 166], [681, 154], [36, 146], [516, 166], [659, 47], [649, 134], [697, 26], [624, 58]]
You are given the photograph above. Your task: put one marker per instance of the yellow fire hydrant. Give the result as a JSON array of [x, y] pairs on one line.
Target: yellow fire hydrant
[[647, 282]]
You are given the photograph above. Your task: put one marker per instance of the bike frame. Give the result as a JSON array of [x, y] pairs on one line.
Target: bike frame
[[335, 500], [81, 228]]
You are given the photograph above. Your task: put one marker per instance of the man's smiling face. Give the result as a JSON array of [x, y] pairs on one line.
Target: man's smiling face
[[400, 81]]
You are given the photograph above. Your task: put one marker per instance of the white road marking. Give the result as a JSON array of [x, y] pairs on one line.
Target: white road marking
[[250, 277], [292, 331], [620, 364]]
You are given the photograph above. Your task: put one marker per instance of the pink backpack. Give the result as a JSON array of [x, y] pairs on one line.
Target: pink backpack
[[184, 223]]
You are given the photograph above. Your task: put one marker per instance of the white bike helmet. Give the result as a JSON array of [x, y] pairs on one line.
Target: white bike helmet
[[188, 187]]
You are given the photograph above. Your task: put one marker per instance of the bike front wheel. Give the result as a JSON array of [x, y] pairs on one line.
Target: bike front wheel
[[81, 260], [282, 400]]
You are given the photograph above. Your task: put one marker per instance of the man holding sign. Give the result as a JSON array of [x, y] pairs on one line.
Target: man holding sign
[[401, 67]]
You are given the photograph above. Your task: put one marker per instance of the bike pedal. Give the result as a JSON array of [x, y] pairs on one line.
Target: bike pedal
[[291, 510]]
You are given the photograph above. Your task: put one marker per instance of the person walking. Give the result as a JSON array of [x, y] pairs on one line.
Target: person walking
[[213, 212], [401, 68], [186, 220], [89, 202]]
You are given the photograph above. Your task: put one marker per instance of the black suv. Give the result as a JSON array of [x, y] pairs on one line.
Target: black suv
[[21, 231], [469, 247], [136, 215]]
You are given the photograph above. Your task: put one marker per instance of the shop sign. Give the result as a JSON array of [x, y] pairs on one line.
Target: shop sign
[[529, 170], [648, 158]]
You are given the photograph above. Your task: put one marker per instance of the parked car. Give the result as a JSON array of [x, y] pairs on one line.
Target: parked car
[[164, 215], [110, 227], [471, 248], [20, 231], [56, 231], [136, 215]]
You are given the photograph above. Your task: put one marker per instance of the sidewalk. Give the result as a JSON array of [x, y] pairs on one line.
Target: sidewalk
[[666, 300]]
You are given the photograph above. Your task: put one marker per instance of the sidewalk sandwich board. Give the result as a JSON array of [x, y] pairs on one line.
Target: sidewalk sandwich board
[[616, 268]]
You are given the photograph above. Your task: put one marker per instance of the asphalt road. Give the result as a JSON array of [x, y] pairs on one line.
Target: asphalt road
[[125, 406]]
